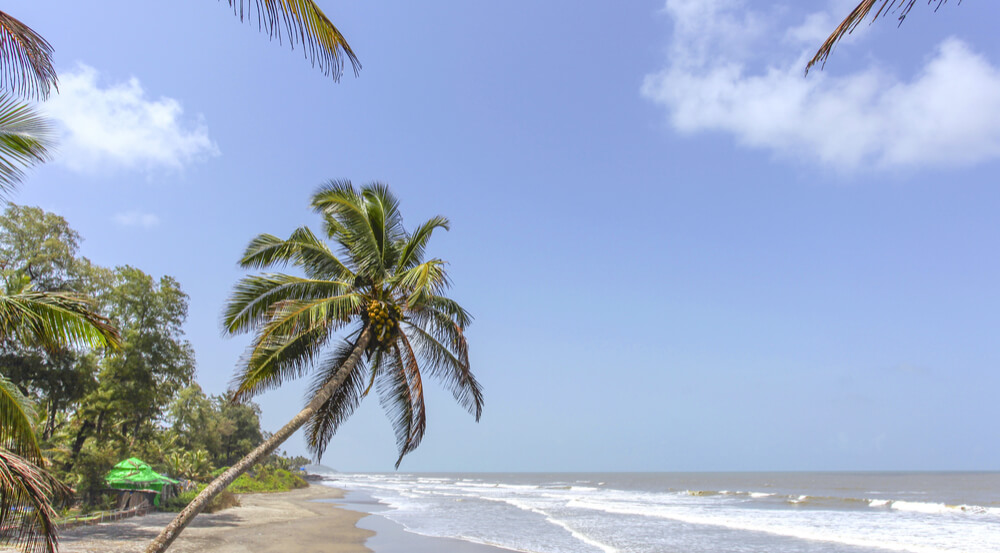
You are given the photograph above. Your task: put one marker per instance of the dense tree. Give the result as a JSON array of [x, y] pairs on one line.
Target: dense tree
[[194, 421], [117, 398], [40, 246], [137, 383], [238, 429], [367, 317], [901, 8]]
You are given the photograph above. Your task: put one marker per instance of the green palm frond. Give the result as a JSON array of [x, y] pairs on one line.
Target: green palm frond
[[450, 308], [302, 23], [294, 316], [274, 360], [267, 250], [17, 432], [385, 221], [449, 367], [255, 298], [857, 15], [338, 201], [316, 259], [412, 252], [422, 282], [54, 319], [286, 345], [25, 140], [324, 424], [26, 59], [27, 495], [302, 249]]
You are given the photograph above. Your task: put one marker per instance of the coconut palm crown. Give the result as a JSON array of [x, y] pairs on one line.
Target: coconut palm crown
[[375, 293]]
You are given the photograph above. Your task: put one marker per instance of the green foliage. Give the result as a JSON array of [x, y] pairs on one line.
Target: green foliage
[[92, 465], [193, 465], [224, 500], [40, 246], [225, 430], [266, 479], [263, 479], [98, 406]]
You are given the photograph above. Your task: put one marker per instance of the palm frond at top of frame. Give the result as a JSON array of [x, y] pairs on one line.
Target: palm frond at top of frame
[[25, 61], [301, 22], [900, 8]]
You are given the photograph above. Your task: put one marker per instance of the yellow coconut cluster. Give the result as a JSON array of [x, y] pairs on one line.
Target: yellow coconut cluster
[[384, 319]]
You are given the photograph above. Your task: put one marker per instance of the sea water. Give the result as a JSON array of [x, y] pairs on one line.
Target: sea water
[[697, 512]]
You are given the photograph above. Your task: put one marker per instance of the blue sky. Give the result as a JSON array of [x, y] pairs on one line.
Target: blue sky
[[681, 254]]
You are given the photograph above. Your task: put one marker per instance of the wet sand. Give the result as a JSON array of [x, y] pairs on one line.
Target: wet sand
[[264, 523]]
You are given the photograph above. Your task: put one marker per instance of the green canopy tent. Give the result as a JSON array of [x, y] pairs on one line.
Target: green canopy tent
[[136, 474]]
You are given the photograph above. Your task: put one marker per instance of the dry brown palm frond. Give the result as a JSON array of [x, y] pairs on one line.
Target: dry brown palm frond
[[847, 26], [26, 60], [302, 22], [27, 495]]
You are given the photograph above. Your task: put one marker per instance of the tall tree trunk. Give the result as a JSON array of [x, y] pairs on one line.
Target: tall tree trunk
[[81, 437], [172, 530]]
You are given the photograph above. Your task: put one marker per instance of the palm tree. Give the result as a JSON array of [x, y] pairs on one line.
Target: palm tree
[[855, 18], [27, 491], [371, 315]]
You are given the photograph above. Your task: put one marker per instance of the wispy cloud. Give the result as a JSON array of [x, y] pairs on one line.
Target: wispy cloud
[[116, 126], [137, 219], [721, 77]]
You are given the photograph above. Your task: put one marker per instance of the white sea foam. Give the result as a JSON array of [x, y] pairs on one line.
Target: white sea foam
[[549, 516], [941, 508], [806, 529], [564, 525]]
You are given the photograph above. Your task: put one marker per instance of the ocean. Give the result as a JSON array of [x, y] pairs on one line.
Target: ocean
[[695, 512]]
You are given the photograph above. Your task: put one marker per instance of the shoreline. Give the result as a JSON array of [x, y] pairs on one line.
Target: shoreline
[[316, 519], [292, 521]]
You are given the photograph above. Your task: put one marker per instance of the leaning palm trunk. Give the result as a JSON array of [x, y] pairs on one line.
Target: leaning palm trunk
[[172, 530]]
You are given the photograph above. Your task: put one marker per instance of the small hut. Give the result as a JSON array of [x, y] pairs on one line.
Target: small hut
[[139, 483]]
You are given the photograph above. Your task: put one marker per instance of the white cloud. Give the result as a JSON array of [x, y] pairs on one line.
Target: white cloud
[[946, 114], [813, 30], [137, 219], [117, 127]]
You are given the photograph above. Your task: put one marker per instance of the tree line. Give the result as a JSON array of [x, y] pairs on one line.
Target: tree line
[[97, 406]]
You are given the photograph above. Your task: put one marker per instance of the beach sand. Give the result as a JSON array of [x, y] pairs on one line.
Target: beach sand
[[264, 523]]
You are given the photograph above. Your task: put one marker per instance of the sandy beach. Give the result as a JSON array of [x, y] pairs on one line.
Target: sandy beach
[[264, 523]]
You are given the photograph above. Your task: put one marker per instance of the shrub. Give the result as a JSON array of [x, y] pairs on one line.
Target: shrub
[[266, 479], [224, 500]]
